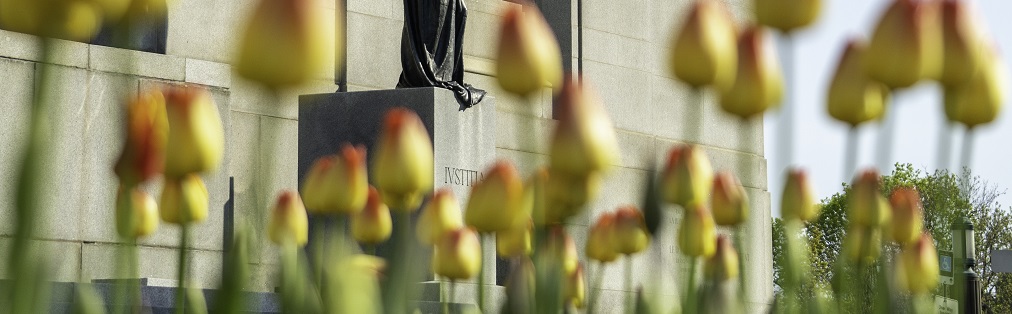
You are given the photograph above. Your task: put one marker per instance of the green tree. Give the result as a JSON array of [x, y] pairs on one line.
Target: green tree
[[945, 197]]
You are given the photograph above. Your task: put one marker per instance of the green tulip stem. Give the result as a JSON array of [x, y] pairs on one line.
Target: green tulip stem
[[595, 287], [443, 297], [850, 163], [690, 291], [944, 146], [630, 297], [181, 275], [481, 274], [739, 243], [319, 242]]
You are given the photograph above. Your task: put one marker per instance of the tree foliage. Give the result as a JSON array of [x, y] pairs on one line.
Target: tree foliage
[[946, 197]]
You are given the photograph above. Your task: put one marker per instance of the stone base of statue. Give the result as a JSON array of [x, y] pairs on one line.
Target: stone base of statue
[[463, 145]]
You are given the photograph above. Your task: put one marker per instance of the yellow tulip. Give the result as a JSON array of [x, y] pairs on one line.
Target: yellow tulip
[[402, 165], [136, 213], [786, 15], [457, 255], [112, 10], [905, 46], [337, 183], [798, 201], [561, 249], [284, 43], [147, 131], [528, 54], [574, 288], [515, 241], [440, 215], [723, 265], [630, 233], [908, 215], [77, 20], [979, 100], [759, 84], [196, 139], [584, 140], [184, 200], [729, 201], [496, 201], [687, 176], [862, 244], [289, 222], [917, 266], [373, 224], [705, 49], [853, 97], [567, 195], [697, 235], [599, 241], [963, 45], [866, 205]]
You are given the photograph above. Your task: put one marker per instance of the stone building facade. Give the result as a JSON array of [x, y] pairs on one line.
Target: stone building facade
[[621, 47]]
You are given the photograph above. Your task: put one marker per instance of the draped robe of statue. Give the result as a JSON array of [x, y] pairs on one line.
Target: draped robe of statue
[[431, 48]]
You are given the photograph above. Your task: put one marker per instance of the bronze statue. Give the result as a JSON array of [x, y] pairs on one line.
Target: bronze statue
[[431, 48]]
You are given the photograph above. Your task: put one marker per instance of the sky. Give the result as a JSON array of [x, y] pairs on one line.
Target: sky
[[819, 141]]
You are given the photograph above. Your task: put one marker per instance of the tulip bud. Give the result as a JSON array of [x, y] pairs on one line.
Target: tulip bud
[[729, 202], [723, 265], [630, 231], [196, 141], [528, 54], [574, 288], [599, 242], [77, 20], [562, 249], [402, 167], [697, 235], [440, 215], [687, 176], [905, 45], [495, 202], [352, 285], [372, 225], [584, 140], [147, 132], [863, 245], [284, 43], [289, 221], [963, 45], [786, 15], [798, 201], [908, 215], [866, 205], [337, 183], [515, 241], [917, 267], [853, 97], [184, 200], [136, 213], [567, 195], [759, 85], [705, 49], [457, 255], [978, 100]]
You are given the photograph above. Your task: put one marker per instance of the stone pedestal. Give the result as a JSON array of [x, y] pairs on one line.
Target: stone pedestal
[[463, 140]]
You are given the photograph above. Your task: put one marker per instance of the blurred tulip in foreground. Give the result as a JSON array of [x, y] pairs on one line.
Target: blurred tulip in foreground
[[979, 100], [147, 132], [284, 43], [787, 15], [440, 215], [496, 201], [567, 195], [905, 46], [963, 44], [136, 213], [723, 265], [907, 216], [759, 84], [337, 184], [862, 244], [372, 225], [728, 200], [574, 288], [798, 200], [630, 231], [289, 223], [917, 266], [853, 97], [687, 176], [584, 139], [528, 54], [599, 241], [196, 139], [562, 250], [697, 235], [457, 255], [184, 200], [77, 20], [402, 165], [866, 205], [515, 241], [705, 48]]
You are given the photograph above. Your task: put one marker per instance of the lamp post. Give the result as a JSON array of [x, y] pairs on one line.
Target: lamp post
[[963, 244]]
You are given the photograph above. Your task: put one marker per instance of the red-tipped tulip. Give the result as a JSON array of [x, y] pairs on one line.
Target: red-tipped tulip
[[528, 56], [759, 84], [630, 233], [697, 235], [729, 202], [599, 242], [440, 215], [687, 177], [853, 97], [798, 201], [496, 202], [184, 200], [457, 255], [787, 15], [402, 168], [867, 207], [908, 215], [147, 133], [562, 250], [584, 140], [337, 184], [372, 225], [196, 139], [917, 266], [284, 43], [705, 49], [723, 265], [905, 46], [289, 222], [963, 45]]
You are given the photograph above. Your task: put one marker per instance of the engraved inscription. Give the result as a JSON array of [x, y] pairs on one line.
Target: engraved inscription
[[462, 177]]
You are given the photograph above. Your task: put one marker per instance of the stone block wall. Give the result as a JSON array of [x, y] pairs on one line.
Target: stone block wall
[[623, 55]]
